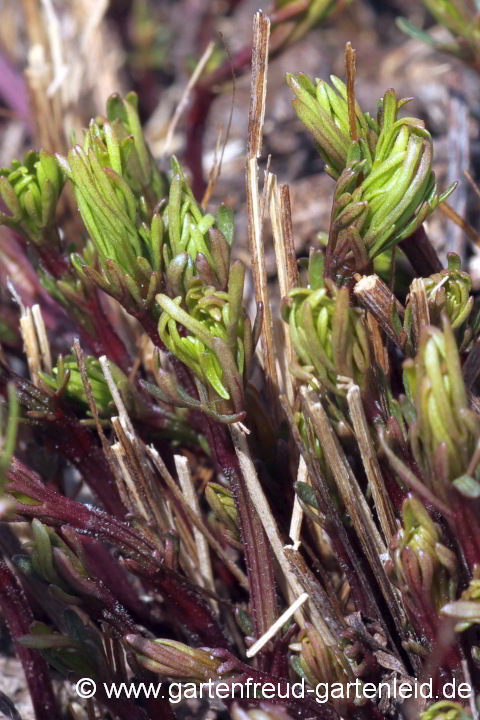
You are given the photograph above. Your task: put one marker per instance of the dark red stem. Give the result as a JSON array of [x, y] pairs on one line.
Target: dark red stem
[[421, 253], [258, 553], [106, 340], [55, 263], [184, 602], [121, 707], [57, 510], [103, 566], [72, 440], [465, 526], [302, 706], [19, 617]]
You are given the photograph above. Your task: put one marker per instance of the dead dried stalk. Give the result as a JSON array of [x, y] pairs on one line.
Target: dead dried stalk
[[281, 221], [203, 552], [259, 501], [376, 297], [370, 463], [417, 299], [355, 504], [261, 33], [194, 518], [350, 72]]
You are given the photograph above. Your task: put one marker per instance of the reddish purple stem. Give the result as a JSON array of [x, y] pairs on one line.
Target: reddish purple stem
[[19, 617], [258, 552]]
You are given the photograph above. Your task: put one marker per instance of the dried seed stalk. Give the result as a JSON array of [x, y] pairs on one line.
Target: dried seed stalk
[[258, 499], [350, 72], [258, 93], [43, 343], [277, 625], [203, 552], [186, 97], [194, 518], [346, 555], [380, 350], [30, 345], [130, 453], [317, 594], [139, 479], [370, 463], [356, 506], [469, 231], [261, 33], [420, 312], [297, 513], [280, 218]]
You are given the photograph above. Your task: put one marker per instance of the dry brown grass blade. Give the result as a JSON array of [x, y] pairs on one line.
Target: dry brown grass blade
[[135, 480], [131, 496], [376, 297], [347, 484], [283, 242], [49, 112], [30, 345], [317, 594], [35, 343], [379, 346], [260, 502], [417, 299], [356, 506], [350, 72], [194, 518], [277, 625], [137, 485], [33, 22], [261, 36], [203, 553], [43, 343], [333, 523], [288, 240], [472, 182], [297, 512], [117, 398], [370, 463], [140, 481], [261, 33], [107, 450], [126, 496]]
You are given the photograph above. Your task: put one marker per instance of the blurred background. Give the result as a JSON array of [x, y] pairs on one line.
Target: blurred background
[[61, 59]]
